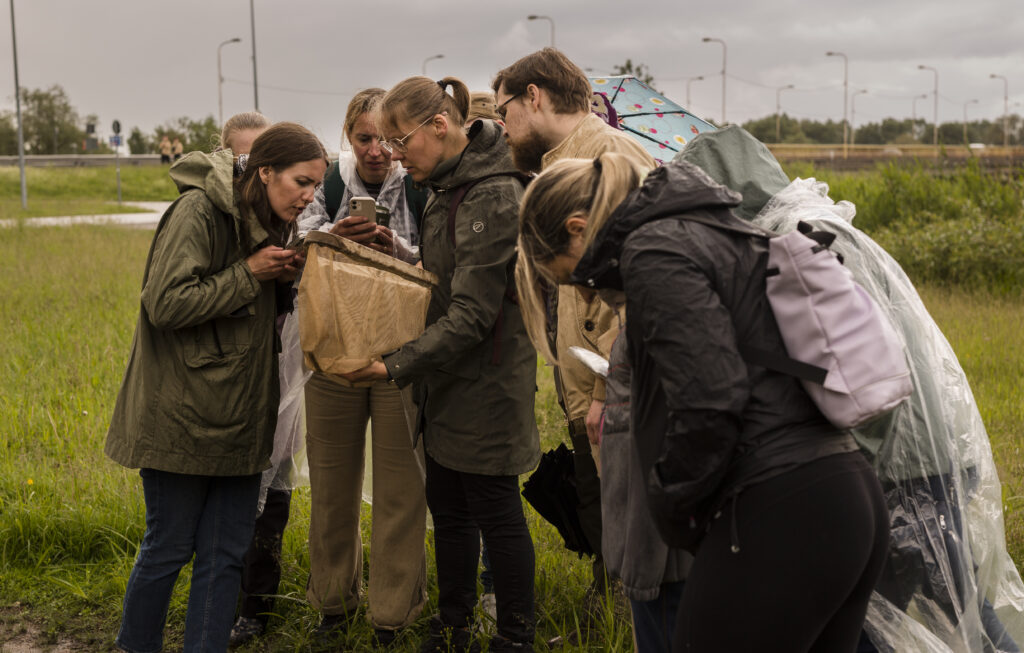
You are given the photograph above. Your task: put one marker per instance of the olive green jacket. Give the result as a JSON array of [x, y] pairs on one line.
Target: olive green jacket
[[201, 390], [474, 366]]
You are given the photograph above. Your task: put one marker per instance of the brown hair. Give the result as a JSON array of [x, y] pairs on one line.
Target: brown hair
[[365, 101], [241, 122], [567, 86], [481, 105], [590, 188], [418, 98], [279, 147]]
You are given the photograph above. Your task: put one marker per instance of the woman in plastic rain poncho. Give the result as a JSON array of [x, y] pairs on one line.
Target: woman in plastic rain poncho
[[949, 584]]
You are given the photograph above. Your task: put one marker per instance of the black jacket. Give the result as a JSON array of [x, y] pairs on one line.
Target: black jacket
[[706, 424]]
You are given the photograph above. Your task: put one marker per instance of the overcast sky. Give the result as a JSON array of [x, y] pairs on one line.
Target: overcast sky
[[147, 61]]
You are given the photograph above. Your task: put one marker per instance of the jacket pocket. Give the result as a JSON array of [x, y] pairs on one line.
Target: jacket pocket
[[220, 338], [215, 394]]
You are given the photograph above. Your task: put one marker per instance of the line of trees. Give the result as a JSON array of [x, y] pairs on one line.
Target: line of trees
[[52, 125], [890, 131]]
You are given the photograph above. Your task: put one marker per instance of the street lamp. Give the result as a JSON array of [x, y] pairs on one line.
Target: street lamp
[[708, 39], [966, 144], [17, 105], [935, 131], [550, 20], [778, 111], [913, 113], [220, 81], [689, 80], [255, 85], [846, 79], [424, 68], [1006, 108], [853, 115]]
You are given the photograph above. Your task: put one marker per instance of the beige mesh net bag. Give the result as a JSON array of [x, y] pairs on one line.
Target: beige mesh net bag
[[355, 304]]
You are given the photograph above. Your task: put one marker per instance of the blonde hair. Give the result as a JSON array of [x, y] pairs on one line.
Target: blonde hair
[[482, 105], [241, 122], [589, 188], [365, 101], [418, 98]]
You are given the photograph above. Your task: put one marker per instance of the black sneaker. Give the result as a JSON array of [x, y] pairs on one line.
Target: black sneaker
[[330, 634], [442, 638], [244, 631]]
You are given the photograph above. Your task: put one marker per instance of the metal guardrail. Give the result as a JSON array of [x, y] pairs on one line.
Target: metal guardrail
[[80, 160]]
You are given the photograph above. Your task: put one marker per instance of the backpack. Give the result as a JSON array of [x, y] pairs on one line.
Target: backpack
[[334, 189], [838, 342]]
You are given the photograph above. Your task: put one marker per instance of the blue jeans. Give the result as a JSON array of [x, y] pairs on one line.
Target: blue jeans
[[654, 621], [209, 516]]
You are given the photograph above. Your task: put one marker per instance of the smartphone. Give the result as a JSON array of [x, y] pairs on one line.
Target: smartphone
[[364, 206], [383, 216], [299, 242]]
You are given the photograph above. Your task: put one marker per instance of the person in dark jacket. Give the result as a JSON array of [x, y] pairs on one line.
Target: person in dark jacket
[[784, 515], [473, 367], [198, 404]]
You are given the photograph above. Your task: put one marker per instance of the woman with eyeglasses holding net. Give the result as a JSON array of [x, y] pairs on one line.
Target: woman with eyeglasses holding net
[[473, 367]]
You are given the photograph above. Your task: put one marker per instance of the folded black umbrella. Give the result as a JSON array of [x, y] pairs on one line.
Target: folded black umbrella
[[551, 490]]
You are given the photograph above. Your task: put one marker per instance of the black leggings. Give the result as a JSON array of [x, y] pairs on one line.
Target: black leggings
[[812, 543], [461, 503]]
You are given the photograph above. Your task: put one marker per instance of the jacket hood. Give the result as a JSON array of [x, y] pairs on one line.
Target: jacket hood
[[487, 155], [740, 162], [673, 189], [211, 173]]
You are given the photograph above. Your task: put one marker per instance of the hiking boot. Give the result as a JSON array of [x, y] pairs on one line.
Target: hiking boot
[[330, 634], [442, 638], [244, 631]]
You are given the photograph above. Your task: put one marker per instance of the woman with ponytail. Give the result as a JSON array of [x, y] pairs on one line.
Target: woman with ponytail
[[733, 462], [473, 367]]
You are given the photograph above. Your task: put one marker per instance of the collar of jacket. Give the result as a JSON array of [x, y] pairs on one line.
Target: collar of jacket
[[673, 189], [486, 155]]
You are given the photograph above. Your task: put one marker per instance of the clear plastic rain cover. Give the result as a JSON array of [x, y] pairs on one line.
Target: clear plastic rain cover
[[949, 583]]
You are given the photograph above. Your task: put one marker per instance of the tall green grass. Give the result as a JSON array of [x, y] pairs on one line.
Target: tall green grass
[[71, 520], [960, 229]]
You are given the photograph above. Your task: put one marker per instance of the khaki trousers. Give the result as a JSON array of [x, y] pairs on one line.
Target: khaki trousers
[[336, 418]]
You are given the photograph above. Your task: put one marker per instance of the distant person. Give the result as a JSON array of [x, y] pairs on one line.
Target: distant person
[[544, 99], [197, 408], [473, 369], [177, 148], [165, 148], [785, 517], [337, 413]]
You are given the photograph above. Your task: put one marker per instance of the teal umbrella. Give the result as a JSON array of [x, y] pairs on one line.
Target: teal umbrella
[[656, 122]]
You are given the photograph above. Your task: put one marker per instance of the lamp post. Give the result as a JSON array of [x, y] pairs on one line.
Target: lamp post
[[935, 130], [846, 80], [966, 143], [708, 39], [778, 111], [220, 81], [689, 80], [1006, 108], [17, 105], [424, 67], [550, 20], [255, 85], [853, 115]]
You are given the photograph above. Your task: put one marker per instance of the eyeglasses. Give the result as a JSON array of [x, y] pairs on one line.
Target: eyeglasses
[[393, 145], [501, 107]]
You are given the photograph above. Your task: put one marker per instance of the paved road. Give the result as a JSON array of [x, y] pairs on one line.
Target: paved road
[[148, 219]]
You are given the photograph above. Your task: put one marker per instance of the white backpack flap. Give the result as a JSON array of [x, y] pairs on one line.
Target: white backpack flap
[[829, 322]]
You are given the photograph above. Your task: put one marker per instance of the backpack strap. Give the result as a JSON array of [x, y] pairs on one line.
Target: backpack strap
[[334, 190], [416, 197]]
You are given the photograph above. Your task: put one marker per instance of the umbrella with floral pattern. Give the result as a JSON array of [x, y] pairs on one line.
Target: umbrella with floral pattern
[[659, 124]]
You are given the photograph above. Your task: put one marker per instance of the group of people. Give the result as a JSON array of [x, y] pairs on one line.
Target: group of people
[[743, 519], [170, 149]]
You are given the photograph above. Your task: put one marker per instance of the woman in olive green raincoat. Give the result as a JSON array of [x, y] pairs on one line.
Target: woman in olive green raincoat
[[198, 404]]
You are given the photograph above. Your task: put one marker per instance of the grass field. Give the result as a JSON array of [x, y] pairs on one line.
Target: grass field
[[81, 191], [71, 520]]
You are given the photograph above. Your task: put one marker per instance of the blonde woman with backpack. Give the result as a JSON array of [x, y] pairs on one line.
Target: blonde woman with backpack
[[783, 514]]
